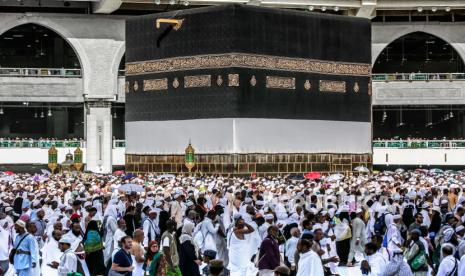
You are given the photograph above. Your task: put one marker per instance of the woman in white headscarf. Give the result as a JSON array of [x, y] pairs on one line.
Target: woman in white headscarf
[[343, 235], [189, 260], [110, 226]]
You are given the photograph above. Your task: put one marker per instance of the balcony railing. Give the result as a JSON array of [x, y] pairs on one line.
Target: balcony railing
[[419, 77], [45, 144], [40, 72], [419, 144]]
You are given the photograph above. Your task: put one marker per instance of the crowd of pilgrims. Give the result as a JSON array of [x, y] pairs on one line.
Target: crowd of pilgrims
[[388, 223]]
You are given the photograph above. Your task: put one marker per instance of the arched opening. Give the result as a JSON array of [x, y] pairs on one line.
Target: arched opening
[[122, 66], [32, 51], [35, 46], [421, 57], [118, 109], [418, 52]]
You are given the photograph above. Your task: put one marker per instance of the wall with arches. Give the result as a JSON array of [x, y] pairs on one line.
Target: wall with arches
[[97, 40], [385, 33]]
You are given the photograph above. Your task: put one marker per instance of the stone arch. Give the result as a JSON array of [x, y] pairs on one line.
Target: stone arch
[[117, 58], [379, 48], [55, 27]]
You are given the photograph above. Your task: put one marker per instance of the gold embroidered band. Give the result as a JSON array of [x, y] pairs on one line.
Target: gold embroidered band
[[197, 81], [280, 82], [156, 84], [332, 86], [248, 61]]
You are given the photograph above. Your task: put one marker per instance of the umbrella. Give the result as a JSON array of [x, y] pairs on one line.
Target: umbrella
[[362, 169], [312, 175], [296, 177], [335, 177], [9, 173], [386, 178], [45, 172], [129, 176], [436, 170], [120, 172], [451, 172], [131, 187], [7, 178]]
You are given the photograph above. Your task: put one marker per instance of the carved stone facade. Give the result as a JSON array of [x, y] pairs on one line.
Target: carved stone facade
[[246, 164]]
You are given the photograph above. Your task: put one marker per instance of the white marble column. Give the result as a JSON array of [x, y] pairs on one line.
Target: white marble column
[[99, 137]]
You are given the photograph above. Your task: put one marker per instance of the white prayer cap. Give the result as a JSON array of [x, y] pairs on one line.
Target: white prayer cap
[[21, 223], [260, 202], [394, 217], [444, 201], [269, 217], [448, 233], [66, 239], [8, 209], [345, 208], [248, 200], [459, 228], [317, 227]]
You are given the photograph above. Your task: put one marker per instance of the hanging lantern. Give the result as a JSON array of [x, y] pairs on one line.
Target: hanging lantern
[[78, 159], [52, 159], [189, 157]]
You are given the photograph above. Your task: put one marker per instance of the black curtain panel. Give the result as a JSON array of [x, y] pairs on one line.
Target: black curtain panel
[[238, 61]]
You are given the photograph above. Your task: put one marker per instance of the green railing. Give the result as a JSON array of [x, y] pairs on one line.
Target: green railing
[[418, 77], [40, 72], [40, 143], [418, 144]]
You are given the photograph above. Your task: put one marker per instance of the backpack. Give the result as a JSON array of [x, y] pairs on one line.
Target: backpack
[[385, 241], [380, 225], [419, 261]]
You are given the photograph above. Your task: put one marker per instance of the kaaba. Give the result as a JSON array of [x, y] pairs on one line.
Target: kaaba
[[253, 89]]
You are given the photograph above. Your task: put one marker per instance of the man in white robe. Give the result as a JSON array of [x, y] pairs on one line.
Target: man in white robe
[[51, 253], [309, 262], [449, 265], [394, 238], [150, 227], [374, 261], [462, 266], [358, 240], [119, 233]]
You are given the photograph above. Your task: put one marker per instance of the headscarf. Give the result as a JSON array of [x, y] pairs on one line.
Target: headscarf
[[187, 230], [111, 211]]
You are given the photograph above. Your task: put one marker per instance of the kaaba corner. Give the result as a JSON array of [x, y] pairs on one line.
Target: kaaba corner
[[253, 89]]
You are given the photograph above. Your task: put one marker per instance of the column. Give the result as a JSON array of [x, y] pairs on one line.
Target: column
[[99, 137]]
